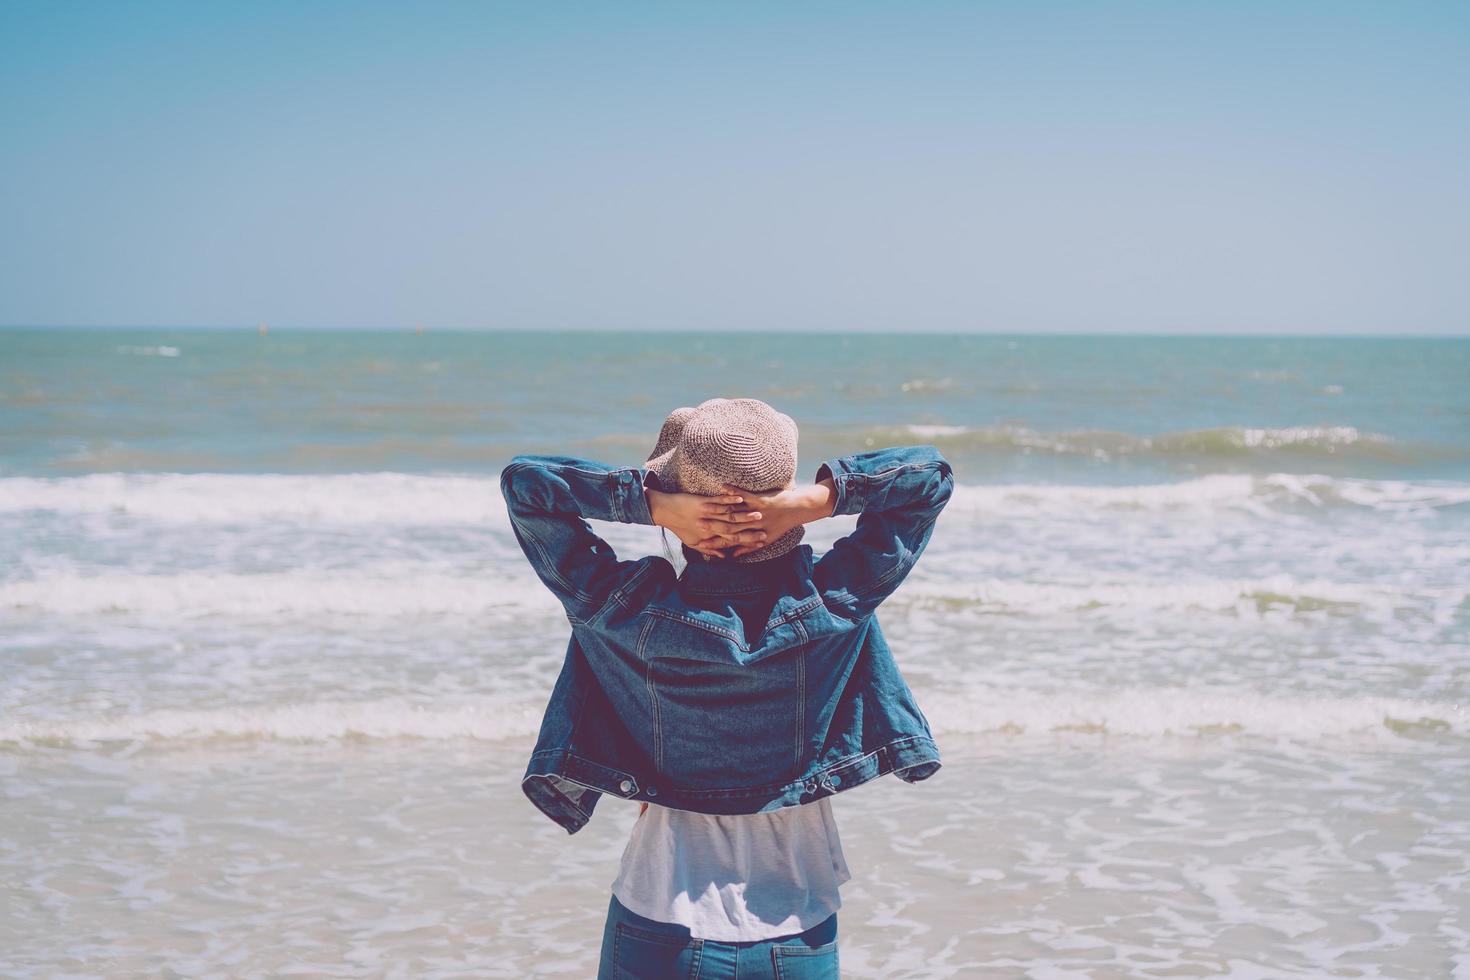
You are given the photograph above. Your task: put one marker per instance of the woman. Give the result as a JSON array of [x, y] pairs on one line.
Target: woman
[[734, 698]]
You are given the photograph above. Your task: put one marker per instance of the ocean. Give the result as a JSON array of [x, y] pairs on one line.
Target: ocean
[[1193, 634]]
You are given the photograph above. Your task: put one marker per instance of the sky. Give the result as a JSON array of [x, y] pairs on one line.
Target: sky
[[1161, 167]]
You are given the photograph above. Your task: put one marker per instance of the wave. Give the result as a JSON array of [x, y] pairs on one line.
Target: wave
[[1187, 711], [310, 721], [383, 591], [407, 589], [1280, 592], [1219, 492], [1142, 712], [402, 499], [220, 498], [1222, 441], [159, 351]]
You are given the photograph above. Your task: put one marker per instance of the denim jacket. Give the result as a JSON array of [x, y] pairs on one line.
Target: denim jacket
[[736, 687]]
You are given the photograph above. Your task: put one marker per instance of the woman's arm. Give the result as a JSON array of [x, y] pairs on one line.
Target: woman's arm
[[897, 492], [547, 498]]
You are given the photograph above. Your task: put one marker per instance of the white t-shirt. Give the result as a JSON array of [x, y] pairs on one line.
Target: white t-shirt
[[734, 878]]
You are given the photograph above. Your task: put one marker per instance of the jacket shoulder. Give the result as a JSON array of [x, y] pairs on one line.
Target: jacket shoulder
[[645, 580]]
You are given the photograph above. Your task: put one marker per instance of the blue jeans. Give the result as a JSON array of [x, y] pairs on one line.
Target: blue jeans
[[636, 948]]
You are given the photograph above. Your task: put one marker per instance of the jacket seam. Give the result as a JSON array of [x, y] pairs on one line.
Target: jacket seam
[[892, 469], [550, 566], [791, 616], [800, 712], [900, 468], [871, 478], [766, 788], [897, 567], [614, 497], [886, 746], [690, 620], [562, 797], [581, 597], [620, 594], [658, 741], [558, 467]]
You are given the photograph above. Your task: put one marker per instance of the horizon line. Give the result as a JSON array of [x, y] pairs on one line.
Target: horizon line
[[420, 329]]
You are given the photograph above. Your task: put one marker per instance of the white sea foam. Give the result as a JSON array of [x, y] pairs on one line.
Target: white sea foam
[[1039, 598], [1218, 492], [400, 499], [1230, 440], [408, 589], [1161, 711], [385, 590], [365, 498], [1142, 712], [930, 431], [312, 720], [148, 351]]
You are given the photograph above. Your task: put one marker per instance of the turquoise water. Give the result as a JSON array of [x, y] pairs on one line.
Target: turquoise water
[[1087, 409], [1193, 634]]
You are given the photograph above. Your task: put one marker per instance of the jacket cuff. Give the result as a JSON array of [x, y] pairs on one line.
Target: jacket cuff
[[629, 501], [851, 493]]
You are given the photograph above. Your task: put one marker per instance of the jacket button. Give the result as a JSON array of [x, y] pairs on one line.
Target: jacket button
[[652, 791], [834, 780], [626, 786], [811, 785]]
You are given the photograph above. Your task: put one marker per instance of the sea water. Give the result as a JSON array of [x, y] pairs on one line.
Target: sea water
[[1193, 634]]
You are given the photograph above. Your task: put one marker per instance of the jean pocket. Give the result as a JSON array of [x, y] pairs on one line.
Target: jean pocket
[[805, 962], [643, 955]]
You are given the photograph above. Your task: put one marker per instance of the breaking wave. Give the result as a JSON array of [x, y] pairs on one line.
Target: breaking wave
[[1223, 441], [1141, 712], [1281, 592], [400, 499], [396, 590], [381, 592], [220, 498]]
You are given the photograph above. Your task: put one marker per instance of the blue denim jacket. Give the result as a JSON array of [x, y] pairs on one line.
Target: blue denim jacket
[[736, 687]]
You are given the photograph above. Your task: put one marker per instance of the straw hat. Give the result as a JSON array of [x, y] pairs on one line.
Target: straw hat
[[740, 441]]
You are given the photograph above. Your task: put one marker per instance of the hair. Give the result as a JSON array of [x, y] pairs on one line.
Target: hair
[[678, 570], [664, 533]]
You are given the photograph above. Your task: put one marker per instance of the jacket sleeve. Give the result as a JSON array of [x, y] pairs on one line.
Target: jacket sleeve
[[547, 498], [898, 493]]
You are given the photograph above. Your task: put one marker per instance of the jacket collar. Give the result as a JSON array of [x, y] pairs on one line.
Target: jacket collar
[[715, 576]]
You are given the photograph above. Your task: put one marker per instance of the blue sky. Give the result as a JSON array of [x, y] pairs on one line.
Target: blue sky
[[1113, 167]]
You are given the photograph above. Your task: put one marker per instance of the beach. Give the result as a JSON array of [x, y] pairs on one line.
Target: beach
[[1192, 635]]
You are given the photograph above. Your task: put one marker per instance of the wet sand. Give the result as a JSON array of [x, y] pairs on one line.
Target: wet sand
[[1078, 855]]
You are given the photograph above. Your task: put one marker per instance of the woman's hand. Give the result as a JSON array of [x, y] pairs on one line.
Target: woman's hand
[[782, 510], [707, 524]]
